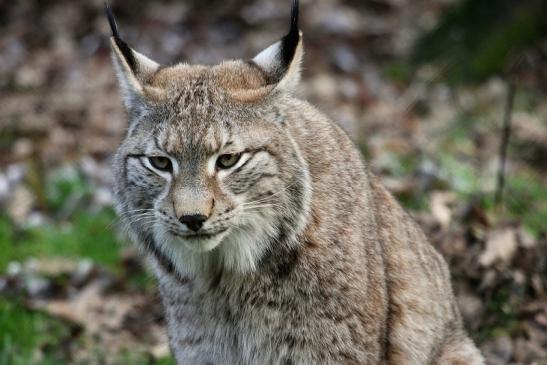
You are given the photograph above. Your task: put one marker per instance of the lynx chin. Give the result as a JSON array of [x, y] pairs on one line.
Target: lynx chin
[[271, 240]]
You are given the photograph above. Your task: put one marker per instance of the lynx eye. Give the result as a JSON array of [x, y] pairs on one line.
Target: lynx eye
[[161, 163], [228, 160]]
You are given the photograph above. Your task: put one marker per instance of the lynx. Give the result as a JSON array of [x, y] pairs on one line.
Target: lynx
[[270, 239]]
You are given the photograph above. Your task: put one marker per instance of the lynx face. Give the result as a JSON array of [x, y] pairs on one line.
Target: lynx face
[[210, 177]]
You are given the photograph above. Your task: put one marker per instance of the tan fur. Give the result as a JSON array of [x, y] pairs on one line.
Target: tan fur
[[305, 258]]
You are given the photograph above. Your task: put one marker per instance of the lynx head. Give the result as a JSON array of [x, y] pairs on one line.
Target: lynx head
[[208, 176]]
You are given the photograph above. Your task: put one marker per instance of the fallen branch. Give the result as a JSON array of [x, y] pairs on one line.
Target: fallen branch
[[506, 134]]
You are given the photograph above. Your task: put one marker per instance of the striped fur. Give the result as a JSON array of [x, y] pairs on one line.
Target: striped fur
[[304, 257]]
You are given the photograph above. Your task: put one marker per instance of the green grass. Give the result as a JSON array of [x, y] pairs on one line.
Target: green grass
[[525, 195], [87, 235], [25, 334], [397, 71], [526, 199], [507, 321]]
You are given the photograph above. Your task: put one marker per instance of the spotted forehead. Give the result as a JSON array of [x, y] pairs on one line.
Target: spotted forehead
[[189, 113], [185, 137], [198, 116]]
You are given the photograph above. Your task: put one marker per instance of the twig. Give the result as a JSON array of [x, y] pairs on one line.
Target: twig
[[506, 134]]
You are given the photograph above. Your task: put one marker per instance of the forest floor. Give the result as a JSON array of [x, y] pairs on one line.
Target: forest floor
[[72, 291]]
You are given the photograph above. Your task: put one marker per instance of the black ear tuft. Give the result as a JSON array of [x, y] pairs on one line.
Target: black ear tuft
[[290, 41], [111, 20], [124, 48]]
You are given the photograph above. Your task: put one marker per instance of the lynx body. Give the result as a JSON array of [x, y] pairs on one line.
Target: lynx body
[[271, 241]]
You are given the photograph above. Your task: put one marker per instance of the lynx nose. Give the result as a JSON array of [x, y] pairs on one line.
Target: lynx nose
[[194, 221]]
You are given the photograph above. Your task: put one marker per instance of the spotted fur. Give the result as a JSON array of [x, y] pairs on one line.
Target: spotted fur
[[304, 257]]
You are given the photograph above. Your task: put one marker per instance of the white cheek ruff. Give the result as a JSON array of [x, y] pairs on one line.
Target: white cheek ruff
[[237, 250]]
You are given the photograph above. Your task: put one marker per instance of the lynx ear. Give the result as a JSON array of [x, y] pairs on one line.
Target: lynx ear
[[281, 61], [132, 68]]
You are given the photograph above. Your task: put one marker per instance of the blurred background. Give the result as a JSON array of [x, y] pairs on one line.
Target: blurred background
[[436, 93]]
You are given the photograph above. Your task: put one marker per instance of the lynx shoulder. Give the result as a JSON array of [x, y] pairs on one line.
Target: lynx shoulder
[[271, 241]]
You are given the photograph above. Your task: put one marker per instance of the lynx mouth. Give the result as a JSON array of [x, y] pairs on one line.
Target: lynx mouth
[[201, 241], [198, 235]]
